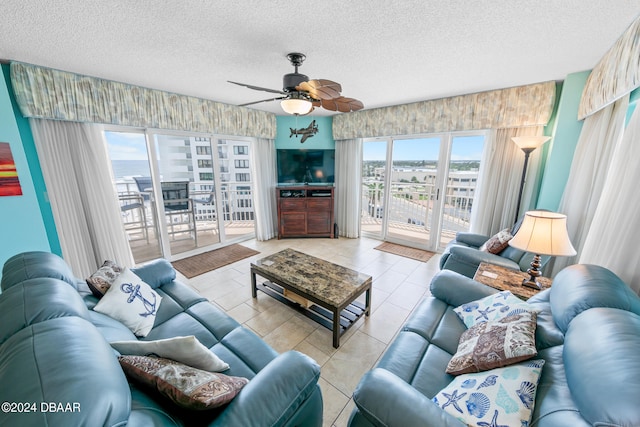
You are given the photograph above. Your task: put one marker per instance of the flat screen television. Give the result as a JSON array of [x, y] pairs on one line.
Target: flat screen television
[[300, 166]]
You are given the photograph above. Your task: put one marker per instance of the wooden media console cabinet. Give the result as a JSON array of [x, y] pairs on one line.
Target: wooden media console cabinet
[[305, 211]]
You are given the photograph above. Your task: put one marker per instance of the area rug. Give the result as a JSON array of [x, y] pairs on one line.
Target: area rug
[[405, 251], [205, 262]]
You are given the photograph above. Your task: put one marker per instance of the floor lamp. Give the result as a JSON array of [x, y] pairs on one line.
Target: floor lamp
[[527, 144]]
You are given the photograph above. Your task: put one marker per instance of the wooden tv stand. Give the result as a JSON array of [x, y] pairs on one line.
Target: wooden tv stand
[[305, 211]]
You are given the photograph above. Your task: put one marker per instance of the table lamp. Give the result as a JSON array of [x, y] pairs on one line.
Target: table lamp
[[542, 233]]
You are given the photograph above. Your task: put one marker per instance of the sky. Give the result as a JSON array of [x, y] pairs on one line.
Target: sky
[[126, 146], [131, 146], [464, 148]]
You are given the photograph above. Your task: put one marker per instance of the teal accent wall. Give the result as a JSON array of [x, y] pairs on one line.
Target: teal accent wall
[[21, 225], [34, 165], [321, 140], [562, 146], [633, 102]]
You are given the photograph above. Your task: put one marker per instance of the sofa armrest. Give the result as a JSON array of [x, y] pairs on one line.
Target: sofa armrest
[[475, 256], [156, 273], [386, 400], [465, 260], [455, 289], [471, 239], [275, 394]]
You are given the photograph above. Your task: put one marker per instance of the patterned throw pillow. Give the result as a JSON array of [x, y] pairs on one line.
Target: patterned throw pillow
[[493, 307], [497, 242], [132, 302], [489, 345], [100, 281], [499, 397], [188, 387]]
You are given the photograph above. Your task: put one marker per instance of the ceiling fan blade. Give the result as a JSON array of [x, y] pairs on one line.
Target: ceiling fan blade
[[321, 88], [264, 89], [342, 104], [264, 100]]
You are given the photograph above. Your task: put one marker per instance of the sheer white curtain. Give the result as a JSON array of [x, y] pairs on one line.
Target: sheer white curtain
[[347, 197], [263, 161], [77, 173], [494, 206], [612, 240], [601, 133]]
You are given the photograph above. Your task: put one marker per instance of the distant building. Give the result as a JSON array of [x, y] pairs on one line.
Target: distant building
[[192, 159]]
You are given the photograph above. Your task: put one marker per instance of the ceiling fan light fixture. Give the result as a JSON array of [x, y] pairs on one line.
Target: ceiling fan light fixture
[[296, 106]]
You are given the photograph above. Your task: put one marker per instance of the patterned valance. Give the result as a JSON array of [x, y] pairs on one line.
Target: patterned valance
[[59, 95], [521, 106], [615, 75]]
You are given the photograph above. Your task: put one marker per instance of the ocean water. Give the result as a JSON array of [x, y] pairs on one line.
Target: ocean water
[[127, 168]]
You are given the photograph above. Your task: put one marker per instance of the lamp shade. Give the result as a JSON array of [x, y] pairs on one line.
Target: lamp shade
[[296, 106], [530, 143], [543, 233]]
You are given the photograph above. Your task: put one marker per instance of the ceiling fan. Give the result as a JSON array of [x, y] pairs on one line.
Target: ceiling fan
[[301, 95]]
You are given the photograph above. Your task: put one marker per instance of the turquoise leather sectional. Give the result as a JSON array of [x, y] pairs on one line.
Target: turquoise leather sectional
[[58, 369], [588, 333], [463, 256]]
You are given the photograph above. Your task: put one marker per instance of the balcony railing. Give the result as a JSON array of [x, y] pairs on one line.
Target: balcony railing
[[234, 213], [411, 205]]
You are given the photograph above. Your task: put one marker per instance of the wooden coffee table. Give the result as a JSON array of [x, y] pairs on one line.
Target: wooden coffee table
[[323, 291]]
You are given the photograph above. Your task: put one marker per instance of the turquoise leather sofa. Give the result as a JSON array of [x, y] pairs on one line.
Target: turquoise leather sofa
[[58, 369], [588, 333], [463, 255]]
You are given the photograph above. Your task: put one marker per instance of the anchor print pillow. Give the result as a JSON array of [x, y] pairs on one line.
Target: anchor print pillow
[[499, 397], [132, 302]]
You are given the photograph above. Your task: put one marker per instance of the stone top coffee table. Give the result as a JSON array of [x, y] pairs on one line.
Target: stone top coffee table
[[330, 289], [506, 279]]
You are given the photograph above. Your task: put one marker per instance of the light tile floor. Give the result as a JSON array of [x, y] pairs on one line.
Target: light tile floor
[[398, 285]]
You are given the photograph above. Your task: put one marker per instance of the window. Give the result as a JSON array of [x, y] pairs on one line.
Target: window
[[240, 149], [206, 176], [204, 150], [242, 164], [205, 164], [242, 177], [403, 178]]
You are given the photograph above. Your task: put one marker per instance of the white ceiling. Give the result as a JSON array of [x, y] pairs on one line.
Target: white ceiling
[[383, 52]]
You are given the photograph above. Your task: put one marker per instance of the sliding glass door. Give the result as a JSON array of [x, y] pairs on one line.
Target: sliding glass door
[[414, 191], [185, 193], [130, 164], [418, 191], [374, 171], [195, 191]]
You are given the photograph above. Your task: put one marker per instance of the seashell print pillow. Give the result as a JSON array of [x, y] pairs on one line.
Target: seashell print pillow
[[492, 307], [499, 397]]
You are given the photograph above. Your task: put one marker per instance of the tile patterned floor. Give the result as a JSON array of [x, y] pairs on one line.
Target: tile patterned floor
[[398, 285]]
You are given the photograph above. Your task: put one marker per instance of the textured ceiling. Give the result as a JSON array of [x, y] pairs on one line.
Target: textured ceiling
[[383, 52]]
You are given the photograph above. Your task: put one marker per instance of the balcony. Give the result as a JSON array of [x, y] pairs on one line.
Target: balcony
[[234, 214], [411, 210]]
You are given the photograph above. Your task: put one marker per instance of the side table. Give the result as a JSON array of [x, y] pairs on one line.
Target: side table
[[506, 279]]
